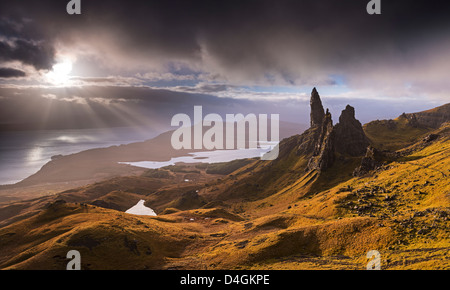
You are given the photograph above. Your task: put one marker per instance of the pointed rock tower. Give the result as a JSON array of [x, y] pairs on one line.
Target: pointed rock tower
[[346, 138], [317, 112], [323, 156], [323, 153]]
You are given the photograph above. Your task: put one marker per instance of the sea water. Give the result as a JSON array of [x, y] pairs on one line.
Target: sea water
[[23, 153], [215, 156]]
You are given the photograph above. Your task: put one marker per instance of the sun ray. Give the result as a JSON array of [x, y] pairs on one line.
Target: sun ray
[[59, 75]]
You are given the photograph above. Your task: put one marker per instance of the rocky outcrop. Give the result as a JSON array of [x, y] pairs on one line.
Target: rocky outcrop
[[308, 142], [323, 156], [350, 136], [433, 118], [430, 137], [322, 140], [370, 161], [317, 112], [413, 122]]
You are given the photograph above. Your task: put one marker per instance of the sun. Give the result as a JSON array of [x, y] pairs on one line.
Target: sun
[[59, 75]]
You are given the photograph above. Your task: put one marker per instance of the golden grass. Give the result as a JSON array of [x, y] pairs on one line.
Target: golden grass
[[393, 134], [300, 220]]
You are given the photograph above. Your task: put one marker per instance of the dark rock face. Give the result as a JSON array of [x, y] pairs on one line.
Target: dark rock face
[[317, 112], [370, 161], [306, 143], [323, 156], [322, 140], [413, 121], [350, 136], [433, 118], [430, 137]]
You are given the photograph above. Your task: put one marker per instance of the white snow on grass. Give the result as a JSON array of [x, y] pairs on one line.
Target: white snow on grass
[[141, 209]]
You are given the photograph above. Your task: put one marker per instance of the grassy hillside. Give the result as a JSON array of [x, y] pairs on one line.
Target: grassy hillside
[[393, 134], [294, 219]]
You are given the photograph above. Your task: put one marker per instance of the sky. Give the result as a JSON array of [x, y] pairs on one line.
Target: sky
[[141, 62]]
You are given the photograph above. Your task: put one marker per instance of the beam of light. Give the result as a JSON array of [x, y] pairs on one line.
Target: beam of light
[[59, 75], [35, 155]]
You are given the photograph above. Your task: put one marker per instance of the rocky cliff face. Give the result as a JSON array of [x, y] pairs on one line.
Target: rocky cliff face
[[433, 118], [324, 156], [350, 137], [317, 112], [324, 140], [372, 159]]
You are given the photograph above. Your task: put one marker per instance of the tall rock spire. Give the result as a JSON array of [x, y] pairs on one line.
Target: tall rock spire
[[323, 140], [323, 155], [350, 137], [317, 112]]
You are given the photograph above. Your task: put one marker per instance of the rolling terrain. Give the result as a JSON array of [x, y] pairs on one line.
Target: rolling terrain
[[319, 205]]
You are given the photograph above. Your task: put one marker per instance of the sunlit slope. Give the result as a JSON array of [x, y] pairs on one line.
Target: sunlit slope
[[401, 210], [393, 134], [297, 219], [407, 202], [406, 129], [196, 239], [261, 179], [106, 239]]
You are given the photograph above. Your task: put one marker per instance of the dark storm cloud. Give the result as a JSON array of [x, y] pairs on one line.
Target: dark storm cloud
[[19, 42], [6, 72], [298, 41], [403, 52], [39, 55]]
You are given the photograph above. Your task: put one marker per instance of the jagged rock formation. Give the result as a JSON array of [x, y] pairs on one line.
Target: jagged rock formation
[[317, 112], [350, 137], [324, 140], [433, 118], [323, 156], [370, 161], [413, 122]]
